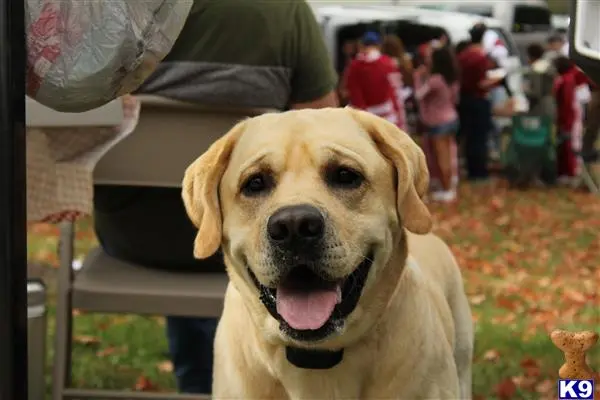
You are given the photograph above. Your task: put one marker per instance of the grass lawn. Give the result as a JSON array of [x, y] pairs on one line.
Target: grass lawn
[[530, 261]]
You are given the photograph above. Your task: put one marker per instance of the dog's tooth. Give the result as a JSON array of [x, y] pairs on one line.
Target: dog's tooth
[[339, 293]]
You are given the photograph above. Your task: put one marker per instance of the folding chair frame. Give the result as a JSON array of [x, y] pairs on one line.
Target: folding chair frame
[[215, 123]]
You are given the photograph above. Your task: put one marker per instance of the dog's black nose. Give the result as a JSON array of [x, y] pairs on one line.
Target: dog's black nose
[[293, 226]]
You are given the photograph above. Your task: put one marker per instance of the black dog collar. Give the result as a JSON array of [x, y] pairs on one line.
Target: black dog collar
[[313, 359]]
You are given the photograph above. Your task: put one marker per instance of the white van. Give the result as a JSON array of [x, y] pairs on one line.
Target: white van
[[529, 21], [560, 22], [413, 25]]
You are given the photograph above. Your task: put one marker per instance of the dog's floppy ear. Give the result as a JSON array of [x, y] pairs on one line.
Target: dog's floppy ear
[[200, 192], [411, 167]]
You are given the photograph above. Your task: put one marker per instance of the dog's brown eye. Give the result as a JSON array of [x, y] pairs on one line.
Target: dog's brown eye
[[257, 184], [344, 177]]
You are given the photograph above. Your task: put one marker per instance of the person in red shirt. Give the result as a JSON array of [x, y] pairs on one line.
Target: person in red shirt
[[373, 81], [569, 118], [475, 109]]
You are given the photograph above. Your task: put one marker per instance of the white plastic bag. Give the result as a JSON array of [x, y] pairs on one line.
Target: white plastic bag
[[82, 54]]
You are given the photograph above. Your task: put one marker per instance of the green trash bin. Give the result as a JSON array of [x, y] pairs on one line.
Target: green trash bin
[[530, 153], [36, 339]]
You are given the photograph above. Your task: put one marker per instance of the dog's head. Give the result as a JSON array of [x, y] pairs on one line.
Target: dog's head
[[308, 207]]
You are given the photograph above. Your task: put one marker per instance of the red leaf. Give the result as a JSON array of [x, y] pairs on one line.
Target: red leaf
[[505, 302], [506, 389], [531, 367], [528, 362], [102, 326], [496, 203], [144, 384]]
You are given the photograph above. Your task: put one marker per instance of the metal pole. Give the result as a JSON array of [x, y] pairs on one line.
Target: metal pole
[[13, 230]]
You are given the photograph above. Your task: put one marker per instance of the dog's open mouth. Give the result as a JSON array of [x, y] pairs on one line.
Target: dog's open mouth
[[309, 306], [306, 301]]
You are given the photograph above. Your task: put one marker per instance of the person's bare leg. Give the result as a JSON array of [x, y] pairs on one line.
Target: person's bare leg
[[441, 147]]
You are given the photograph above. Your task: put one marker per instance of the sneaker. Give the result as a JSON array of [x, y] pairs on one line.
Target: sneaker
[[435, 195], [444, 196], [564, 180]]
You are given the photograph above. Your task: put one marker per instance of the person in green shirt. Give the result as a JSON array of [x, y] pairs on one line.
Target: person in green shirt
[[261, 53]]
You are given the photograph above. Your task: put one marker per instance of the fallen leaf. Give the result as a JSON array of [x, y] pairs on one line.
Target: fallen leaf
[[165, 366], [107, 351], [477, 299], [506, 389], [574, 296], [496, 203], [507, 303], [544, 282], [85, 235], [86, 340], [44, 229], [143, 384], [491, 355], [102, 326], [513, 246], [545, 386], [503, 220], [524, 382], [531, 367], [47, 256], [120, 319], [504, 319]]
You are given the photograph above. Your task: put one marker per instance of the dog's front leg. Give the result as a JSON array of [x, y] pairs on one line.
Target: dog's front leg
[[237, 371], [236, 378]]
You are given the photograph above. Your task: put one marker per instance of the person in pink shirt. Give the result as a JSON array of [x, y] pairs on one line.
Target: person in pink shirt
[[436, 89]]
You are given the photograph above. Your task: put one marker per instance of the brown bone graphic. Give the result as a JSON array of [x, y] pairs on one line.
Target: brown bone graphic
[[574, 345]]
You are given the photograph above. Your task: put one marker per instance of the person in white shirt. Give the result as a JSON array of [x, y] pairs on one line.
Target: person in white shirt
[[496, 49], [556, 46]]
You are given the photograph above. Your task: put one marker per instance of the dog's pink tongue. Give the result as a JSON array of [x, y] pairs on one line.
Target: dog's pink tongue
[[306, 310]]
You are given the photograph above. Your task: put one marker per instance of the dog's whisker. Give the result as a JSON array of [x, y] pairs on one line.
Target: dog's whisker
[[360, 252]]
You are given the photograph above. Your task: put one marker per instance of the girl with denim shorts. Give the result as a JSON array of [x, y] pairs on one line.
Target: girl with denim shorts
[[436, 89]]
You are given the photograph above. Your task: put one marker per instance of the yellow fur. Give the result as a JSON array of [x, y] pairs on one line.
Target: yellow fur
[[410, 336]]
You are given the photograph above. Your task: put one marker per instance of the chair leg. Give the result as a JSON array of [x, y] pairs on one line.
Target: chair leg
[[61, 377], [588, 179]]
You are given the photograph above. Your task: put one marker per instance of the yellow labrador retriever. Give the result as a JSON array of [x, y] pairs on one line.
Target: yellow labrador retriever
[[337, 290]]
